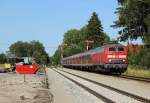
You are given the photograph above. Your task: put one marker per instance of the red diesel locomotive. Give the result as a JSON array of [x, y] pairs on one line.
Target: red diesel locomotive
[[111, 58]]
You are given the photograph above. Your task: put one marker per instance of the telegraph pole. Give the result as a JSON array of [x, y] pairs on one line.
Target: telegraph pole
[[62, 50], [88, 42]]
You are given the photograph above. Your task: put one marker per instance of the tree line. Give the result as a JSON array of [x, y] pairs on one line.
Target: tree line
[[3, 58], [33, 49]]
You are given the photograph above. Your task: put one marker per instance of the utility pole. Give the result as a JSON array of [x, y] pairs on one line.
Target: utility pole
[[62, 49], [87, 44]]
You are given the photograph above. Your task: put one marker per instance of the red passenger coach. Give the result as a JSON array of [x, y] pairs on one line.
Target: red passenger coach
[[110, 58]]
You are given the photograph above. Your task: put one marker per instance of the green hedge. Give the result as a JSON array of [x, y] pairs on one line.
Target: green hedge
[[142, 58]]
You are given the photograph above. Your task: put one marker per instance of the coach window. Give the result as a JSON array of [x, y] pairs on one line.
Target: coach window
[[112, 49], [120, 49]]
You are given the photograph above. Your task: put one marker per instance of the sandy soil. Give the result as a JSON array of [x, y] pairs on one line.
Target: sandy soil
[[13, 89]]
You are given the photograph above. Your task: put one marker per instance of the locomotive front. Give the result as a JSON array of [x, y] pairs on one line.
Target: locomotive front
[[116, 59]]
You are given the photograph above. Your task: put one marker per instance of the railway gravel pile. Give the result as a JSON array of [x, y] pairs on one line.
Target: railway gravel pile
[[13, 89]]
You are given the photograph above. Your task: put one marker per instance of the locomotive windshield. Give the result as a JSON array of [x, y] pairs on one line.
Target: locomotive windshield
[[116, 49], [112, 49], [120, 49]]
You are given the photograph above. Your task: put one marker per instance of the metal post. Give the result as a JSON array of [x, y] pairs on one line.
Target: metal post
[[24, 78], [62, 50], [87, 44]]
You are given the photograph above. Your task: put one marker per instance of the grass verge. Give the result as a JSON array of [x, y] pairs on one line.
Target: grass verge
[[139, 71]]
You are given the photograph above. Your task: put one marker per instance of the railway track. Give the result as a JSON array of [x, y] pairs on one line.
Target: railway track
[[136, 78], [105, 99], [141, 79]]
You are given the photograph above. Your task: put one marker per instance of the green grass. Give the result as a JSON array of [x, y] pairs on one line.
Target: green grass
[[139, 71]]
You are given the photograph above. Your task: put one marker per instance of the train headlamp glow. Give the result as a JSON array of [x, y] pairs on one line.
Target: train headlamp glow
[[110, 56], [122, 56], [116, 56]]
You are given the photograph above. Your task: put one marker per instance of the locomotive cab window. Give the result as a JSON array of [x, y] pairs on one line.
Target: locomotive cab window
[[112, 49], [120, 49]]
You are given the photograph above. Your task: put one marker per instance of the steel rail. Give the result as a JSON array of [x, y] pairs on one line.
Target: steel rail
[[101, 97], [143, 79], [139, 98]]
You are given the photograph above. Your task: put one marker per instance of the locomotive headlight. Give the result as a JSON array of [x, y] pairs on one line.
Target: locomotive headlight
[[122, 56], [110, 56], [124, 60], [110, 60]]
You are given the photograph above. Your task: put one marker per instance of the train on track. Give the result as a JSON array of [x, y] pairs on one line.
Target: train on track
[[109, 58]]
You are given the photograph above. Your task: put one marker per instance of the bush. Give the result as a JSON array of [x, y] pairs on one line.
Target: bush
[[142, 58], [132, 58], [3, 58], [145, 57]]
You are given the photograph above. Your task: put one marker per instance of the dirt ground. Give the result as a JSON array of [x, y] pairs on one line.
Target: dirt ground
[[13, 89]]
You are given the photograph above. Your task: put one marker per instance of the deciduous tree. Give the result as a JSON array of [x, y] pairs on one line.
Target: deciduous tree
[[33, 49], [133, 19]]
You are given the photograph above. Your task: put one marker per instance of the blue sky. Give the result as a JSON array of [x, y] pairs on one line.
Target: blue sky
[[48, 20]]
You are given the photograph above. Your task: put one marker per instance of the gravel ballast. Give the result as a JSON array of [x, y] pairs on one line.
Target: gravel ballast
[[116, 97], [65, 91], [134, 87]]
